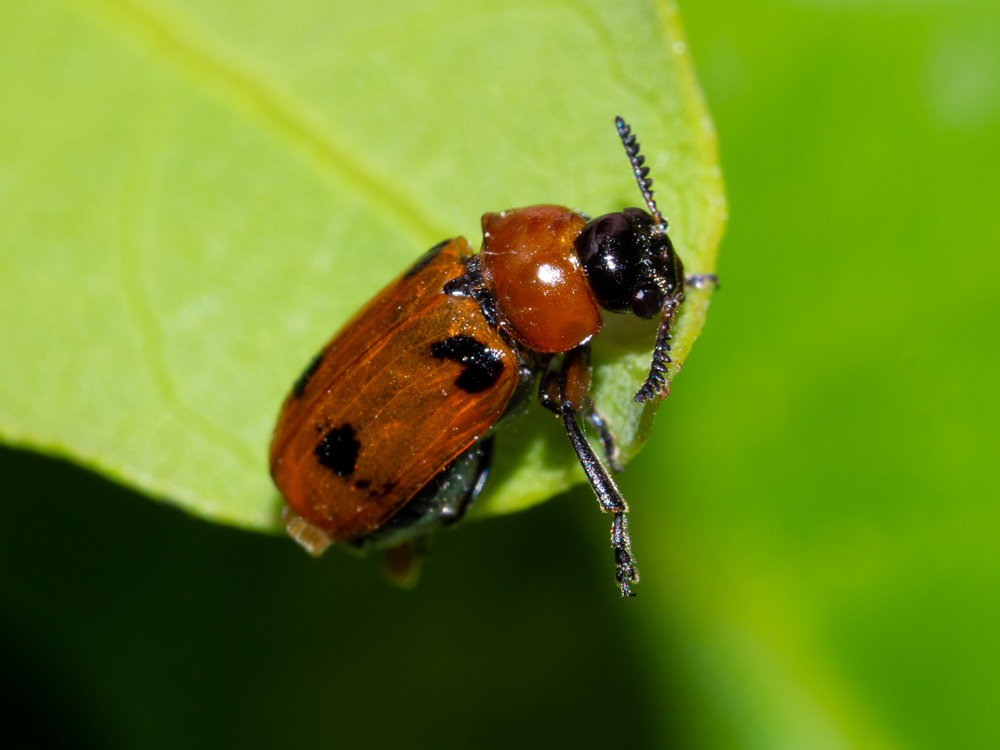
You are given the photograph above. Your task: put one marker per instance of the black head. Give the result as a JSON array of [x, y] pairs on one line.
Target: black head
[[631, 265]]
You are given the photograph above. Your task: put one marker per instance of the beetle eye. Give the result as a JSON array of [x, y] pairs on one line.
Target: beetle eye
[[647, 301]]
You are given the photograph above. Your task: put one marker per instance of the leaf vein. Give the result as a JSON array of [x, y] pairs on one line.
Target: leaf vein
[[183, 45], [130, 248]]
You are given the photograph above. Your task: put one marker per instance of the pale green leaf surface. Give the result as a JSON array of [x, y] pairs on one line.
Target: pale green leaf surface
[[195, 196]]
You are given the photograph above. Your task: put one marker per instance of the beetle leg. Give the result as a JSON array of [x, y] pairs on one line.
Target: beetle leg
[[548, 386], [574, 385], [548, 396], [439, 503], [699, 280], [609, 445], [485, 462], [656, 382], [401, 564]]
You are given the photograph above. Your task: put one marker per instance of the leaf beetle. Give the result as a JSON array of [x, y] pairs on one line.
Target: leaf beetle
[[388, 434]]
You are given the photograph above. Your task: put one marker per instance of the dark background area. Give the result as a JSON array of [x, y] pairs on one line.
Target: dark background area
[[128, 624]]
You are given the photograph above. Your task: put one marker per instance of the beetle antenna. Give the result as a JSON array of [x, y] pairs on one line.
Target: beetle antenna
[[641, 173], [656, 382]]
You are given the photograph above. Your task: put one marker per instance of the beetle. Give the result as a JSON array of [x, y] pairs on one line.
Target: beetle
[[388, 434]]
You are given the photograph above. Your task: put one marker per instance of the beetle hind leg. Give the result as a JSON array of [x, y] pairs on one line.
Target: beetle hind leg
[[440, 503], [484, 456]]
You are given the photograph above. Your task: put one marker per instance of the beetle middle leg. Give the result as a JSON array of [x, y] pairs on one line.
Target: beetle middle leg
[[609, 445], [565, 390]]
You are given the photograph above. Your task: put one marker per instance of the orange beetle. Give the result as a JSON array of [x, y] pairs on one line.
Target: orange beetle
[[388, 434]]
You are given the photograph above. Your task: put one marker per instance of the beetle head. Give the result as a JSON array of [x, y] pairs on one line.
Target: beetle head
[[630, 262]]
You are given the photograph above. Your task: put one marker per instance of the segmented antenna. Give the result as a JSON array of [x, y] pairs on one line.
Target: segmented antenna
[[656, 381], [641, 172]]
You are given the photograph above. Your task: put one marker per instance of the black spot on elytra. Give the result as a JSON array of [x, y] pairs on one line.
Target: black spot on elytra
[[362, 484], [338, 450], [300, 385], [482, 365], [424, 260]]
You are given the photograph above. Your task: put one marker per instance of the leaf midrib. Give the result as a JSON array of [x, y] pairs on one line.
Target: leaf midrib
[[261, 101]]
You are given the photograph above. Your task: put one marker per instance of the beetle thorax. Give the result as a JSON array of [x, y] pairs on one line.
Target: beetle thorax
[[530, 265]]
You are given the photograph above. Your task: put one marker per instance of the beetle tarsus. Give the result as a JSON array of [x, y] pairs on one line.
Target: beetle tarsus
[[656, 381], [625, 570], [701, 280]]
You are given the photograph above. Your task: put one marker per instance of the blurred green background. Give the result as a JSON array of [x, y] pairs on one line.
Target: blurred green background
[[819, 551]]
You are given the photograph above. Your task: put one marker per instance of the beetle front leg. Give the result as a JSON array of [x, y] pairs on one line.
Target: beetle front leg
[[549, 397], [548, 385], [699, 280], [573, 397]]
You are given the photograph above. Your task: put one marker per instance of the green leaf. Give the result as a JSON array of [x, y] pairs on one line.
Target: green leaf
[[195, 196]]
